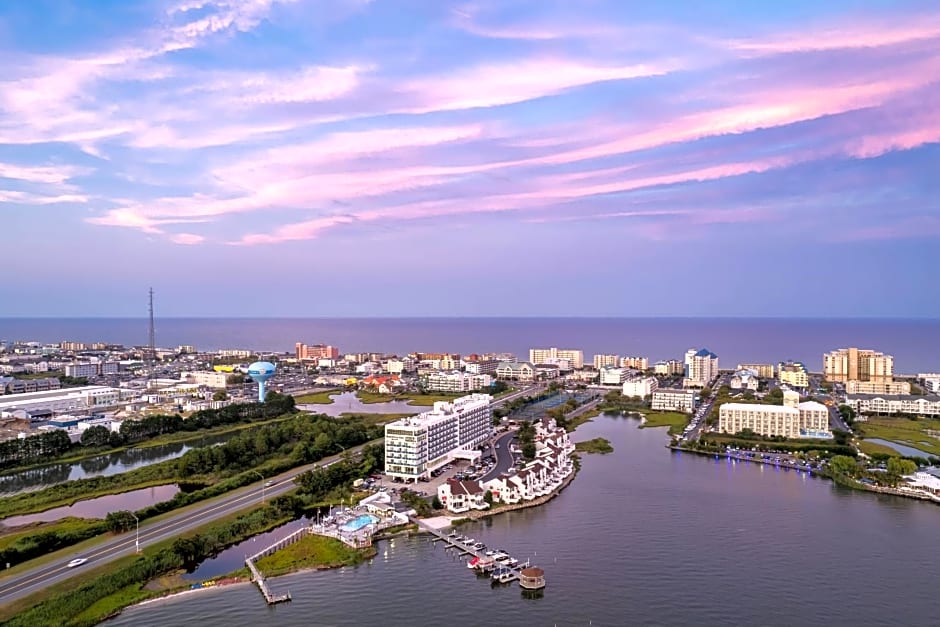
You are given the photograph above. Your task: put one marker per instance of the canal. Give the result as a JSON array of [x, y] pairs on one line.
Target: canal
[[641, 536], [99, 507], [102, 465]]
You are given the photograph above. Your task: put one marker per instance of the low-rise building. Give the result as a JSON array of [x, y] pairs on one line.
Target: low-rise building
[[674, 399], [462, 496], [515, 371], [744, 380], [217, 380], [912, 405], [669, 368], [613, 376], [541, 476], [482, 366], [793, 374], [640, 387], [455, 381], [65, 400], [886, 388], [10, 385]]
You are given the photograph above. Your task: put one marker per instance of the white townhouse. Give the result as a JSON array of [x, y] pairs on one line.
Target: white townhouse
[[542, 475], [462, 496], [642, 387]]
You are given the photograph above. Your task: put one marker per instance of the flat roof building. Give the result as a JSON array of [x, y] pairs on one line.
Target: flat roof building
[[417, 445]]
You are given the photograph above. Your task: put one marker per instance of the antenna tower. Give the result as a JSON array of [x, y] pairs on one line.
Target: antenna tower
[[152, 345]]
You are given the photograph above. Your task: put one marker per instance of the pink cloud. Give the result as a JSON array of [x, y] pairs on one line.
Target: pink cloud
[[187, 239], [515, 82], [51, 174], [863, 35]]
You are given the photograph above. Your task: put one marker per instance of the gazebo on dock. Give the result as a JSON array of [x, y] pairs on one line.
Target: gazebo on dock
[[532, 578]]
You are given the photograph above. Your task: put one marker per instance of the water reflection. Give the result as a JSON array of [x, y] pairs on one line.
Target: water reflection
[[99, 507], [349, 403], [101, 465], [233, 558]]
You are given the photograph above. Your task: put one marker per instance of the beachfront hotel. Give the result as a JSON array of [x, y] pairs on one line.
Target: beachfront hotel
[[417, 445], [791, 420], [858, 364]]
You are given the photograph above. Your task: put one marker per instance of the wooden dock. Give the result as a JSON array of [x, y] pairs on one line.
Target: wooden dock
[[466, 549], [258, 577]]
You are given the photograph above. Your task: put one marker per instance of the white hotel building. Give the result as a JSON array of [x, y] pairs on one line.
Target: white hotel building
[[791, 420], [417, 445], [456, 381]]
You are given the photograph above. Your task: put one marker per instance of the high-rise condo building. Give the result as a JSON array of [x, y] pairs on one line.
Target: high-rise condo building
[[701, 366], [317, 351], [858, 364], [606, 361], [545, 355]]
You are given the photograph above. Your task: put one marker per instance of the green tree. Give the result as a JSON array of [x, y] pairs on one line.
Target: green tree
[[901, 467], [120, 521], [220, 395], [528, 451], [843, 464], [488, 497], [848, 414], [436, 502], [96, 436]]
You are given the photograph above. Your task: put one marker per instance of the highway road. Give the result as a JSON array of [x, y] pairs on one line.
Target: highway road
[[39, 577], [34, 579]]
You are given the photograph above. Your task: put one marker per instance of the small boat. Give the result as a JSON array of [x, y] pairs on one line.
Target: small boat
[[479, 546], [491, 554], [499, 556], [512, 562], [473, 563]]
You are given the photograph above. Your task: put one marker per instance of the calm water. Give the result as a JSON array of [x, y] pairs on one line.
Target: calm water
[[99, 507], [101, 465], [733, 339], [348, 402], [641, 537]]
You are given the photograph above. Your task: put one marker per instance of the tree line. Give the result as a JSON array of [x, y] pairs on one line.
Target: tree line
[[48, 445]]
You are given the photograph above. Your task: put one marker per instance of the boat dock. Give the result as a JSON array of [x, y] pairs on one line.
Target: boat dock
[[481, 559]]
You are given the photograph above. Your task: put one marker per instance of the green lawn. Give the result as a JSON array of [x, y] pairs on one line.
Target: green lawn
[[319, 398], [597, 445], [312, 552], [904, 431], [423, 400], [870, 448], [676, 421]]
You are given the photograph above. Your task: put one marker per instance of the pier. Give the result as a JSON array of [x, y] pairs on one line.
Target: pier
[[452, 541], [258, 577]]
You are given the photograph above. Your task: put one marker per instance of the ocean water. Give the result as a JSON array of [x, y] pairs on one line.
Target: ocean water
[[913, 343]]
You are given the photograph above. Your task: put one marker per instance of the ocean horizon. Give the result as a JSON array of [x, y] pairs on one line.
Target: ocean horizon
[[735, 339]]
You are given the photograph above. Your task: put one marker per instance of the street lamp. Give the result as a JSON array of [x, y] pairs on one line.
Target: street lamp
[[136, 533], [262, 484]]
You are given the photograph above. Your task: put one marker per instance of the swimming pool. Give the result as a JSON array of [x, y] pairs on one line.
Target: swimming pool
[[359, 522]]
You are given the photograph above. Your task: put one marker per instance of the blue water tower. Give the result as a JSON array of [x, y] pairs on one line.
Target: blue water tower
[[260, 372]]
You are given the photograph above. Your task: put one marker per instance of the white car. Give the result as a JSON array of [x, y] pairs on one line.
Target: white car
[[77, 562]]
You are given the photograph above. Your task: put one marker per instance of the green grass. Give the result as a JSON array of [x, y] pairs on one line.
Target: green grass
[[871, 448], [318, 398], [597, 445], [422, 400], [312, 552], [676, 421], [904, 431], [581, 418], [64, 525], [374, 419]]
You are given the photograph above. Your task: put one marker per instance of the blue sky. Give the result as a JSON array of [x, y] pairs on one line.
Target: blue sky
[[497, 157]]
